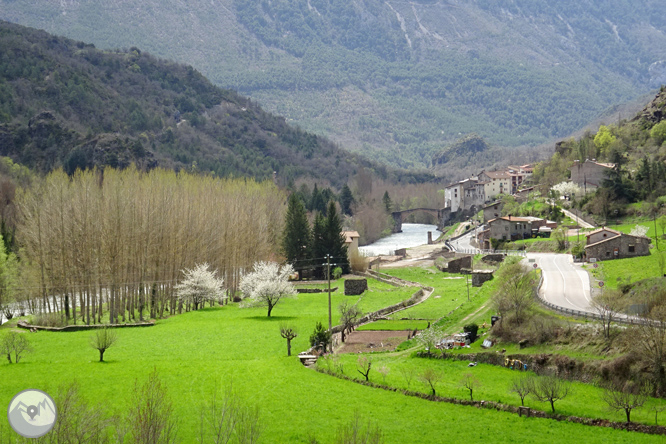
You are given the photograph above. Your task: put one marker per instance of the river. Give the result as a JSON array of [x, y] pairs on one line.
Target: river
[[412, 235]]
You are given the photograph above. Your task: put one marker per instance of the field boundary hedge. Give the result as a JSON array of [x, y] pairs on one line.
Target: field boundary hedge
[[25, 325]]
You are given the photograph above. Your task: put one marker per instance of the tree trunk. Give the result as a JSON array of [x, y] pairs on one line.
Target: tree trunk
[[288, 347], [270, 308], [101, 355], [552, 405], [628, 412]]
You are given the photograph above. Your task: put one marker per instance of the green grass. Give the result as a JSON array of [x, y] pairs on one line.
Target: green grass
[[584, 400], [195, 350], [627, 270], [449, 294]]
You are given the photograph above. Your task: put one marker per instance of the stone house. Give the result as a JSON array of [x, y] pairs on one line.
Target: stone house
[[505, 228], [605, 243], [464, 195], [496, 182], [492, 211], [590, 174]]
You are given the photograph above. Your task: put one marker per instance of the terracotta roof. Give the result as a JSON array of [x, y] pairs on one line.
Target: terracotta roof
[[511, 219]]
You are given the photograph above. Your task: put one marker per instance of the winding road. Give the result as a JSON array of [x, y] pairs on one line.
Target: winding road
[[564, 283]]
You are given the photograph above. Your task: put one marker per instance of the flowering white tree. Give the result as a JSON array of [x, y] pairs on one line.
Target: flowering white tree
[[266, 285], [567, 189], [200, 285], [639, 230]]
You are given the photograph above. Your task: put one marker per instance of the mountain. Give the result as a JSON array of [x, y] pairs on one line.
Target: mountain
[[400, 80], [66, 103]]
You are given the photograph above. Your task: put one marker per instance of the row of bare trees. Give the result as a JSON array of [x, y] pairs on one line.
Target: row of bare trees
[[114, 242]]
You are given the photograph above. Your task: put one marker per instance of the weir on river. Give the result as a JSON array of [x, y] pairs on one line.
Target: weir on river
[[412, 235]]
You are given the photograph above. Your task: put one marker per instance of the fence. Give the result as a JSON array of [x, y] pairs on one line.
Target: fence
[[622, 319]]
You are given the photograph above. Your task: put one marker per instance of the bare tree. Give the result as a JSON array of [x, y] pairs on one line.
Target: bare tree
[[267, 285], [353, 432], [607, 304], [200, 285], [225, 417], [430, 378], [364, 364], [289, 332], [349, 316], [102, 340], [624, 396], [151, 419], [471, 383], [408, 374], [652, 344], [521, 386], [78, 421], [384, 371], [550, 388], [657, 409], [14, 343]]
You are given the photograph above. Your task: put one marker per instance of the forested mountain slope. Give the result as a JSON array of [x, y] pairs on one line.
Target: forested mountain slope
[[66, 103], [401, 80]]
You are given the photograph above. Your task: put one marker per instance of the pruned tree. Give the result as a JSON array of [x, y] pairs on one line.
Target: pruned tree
[[14, 343], [550, 389], [354, 432], [408, 374], [349, 316], [624, 396], [288, 332], [608, 304], [267, 284], [384, 371], [102, 340], [522, 387], [151, 419], [471, 383], [430, 378], [657, 409], [199, 286], [364, 364]]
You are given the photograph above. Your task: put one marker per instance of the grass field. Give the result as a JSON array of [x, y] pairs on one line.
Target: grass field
[[584, 399], [194, 351]]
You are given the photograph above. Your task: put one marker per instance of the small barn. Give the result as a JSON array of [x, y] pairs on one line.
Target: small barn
[[605, 244]]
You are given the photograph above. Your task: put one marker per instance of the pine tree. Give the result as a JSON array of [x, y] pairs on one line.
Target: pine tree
[[319, 244], [388, 205], [296, 241], [346, 200], [317, 201], [334, 239]]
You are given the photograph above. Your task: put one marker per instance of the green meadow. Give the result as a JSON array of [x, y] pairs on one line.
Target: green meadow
[[196, 351]]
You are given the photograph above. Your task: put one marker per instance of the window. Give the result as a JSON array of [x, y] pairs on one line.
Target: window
[[607, 253], [632, 248]]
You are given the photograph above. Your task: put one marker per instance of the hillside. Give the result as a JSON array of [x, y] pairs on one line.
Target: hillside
[[399, 80], [636, 186], [66, 103]]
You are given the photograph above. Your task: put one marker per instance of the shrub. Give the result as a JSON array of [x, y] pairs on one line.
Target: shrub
[[472, 329], [658, 132], [48, 320], [320, 338]]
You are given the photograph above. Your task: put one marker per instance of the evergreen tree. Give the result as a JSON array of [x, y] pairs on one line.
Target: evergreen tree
[[335, 240], [346, 200], [296, 241], [319, 244], [388, 205], [317, 201]]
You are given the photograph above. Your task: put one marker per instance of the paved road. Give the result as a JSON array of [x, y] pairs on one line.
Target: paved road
[[577, 219], [463, 244], [565, 284]]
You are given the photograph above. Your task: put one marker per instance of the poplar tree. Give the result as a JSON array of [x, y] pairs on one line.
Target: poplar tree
[[346, 200]]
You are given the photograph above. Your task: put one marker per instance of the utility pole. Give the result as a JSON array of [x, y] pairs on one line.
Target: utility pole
[[328, 272]]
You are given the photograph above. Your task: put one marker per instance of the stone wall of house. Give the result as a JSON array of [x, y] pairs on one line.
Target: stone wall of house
[[606, 250], [481, 276], [493, 258], [458, 264], [355, 287]]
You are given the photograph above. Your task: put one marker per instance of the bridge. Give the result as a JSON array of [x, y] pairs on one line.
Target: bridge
[[442, 216]]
